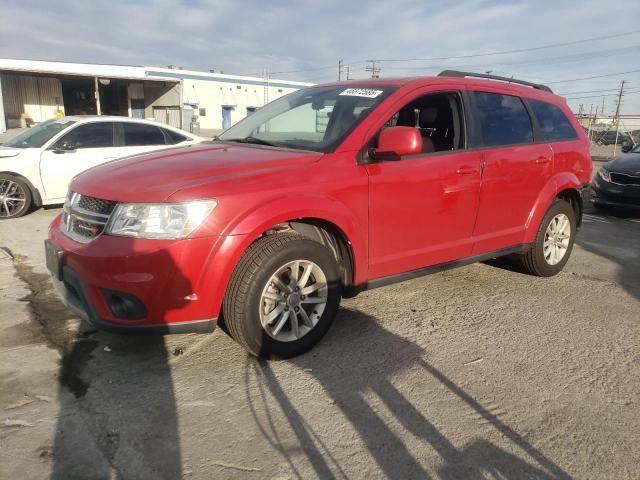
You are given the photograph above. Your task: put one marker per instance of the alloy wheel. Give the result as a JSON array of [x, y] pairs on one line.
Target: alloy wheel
[[12, 198], [556, 239], [293, 300]]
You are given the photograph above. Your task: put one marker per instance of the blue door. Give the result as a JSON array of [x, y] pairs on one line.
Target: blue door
[[226, 117], [137, 108]]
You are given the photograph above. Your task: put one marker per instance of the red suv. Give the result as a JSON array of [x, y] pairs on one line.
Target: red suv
[[323, 193]]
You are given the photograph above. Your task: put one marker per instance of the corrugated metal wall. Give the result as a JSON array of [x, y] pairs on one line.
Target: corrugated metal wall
[[37, 97], [168, 115]]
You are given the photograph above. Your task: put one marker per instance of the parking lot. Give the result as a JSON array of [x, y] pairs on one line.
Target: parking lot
[[470, 373]]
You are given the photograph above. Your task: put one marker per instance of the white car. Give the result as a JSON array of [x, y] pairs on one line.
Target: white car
[[37, 165]]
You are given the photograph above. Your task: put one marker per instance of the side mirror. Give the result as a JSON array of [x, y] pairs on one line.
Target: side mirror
[[394, 142], [626, 147], [64, 146]]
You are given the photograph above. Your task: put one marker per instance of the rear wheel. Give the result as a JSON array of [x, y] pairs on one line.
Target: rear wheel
[[554, 241], [283, 296], [15, 197]]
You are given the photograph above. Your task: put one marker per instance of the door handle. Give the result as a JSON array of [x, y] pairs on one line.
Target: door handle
[[466, 170], [542, 160]]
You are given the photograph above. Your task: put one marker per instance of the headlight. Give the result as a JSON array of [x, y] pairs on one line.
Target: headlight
[[603, 173], [159, 220]]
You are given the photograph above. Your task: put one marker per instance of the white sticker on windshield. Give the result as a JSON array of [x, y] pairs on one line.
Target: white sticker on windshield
[[362, 92]]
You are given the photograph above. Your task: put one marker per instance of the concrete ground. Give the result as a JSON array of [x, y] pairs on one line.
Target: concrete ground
[[480, 372]]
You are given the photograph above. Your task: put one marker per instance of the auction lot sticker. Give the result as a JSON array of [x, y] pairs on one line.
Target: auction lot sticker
[[362, 92]]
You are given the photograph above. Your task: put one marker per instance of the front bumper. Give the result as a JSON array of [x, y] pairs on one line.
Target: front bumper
[[73, 293], [613, 195], [180, 283]]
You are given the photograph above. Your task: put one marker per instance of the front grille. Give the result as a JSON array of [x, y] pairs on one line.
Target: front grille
[[96, 205], [624, 179], [85, 218]]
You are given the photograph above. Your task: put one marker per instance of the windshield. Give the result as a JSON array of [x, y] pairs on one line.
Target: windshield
[[37, 136], [316, 118]]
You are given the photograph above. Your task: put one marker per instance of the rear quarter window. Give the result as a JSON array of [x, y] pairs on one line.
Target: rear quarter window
[[552, 121], [174, 137], [502, 119], [139, 134]]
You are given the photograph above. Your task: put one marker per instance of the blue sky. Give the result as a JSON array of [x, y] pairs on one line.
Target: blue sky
[[307, 38]]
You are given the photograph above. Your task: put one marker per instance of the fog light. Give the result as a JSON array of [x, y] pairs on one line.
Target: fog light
[[124, 305]]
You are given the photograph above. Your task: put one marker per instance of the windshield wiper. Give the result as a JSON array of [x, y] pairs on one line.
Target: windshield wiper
[[249, 139]]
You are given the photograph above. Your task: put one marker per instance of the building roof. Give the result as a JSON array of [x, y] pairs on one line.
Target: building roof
[[78, 69], [133, 72]]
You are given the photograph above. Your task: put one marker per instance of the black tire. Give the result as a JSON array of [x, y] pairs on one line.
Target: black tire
[[25, 191], [241, 306], [533, 262]]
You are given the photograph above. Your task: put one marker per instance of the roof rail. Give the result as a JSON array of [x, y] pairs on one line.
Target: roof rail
[[456, 73]]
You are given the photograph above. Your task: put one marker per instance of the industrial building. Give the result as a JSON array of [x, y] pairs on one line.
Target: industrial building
[[32, 91]]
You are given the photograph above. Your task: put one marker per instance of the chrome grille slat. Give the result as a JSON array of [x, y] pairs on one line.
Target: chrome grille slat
[[625, 179], [84, 218]]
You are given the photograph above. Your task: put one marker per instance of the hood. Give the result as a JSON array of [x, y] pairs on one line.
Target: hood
[[628, 163], [154, 177], [9, 151]]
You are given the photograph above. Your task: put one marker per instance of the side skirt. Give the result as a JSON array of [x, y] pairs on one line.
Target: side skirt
[[420, 272]]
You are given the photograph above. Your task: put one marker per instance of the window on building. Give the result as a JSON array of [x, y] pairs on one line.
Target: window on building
[[552, 121], [136, 134], [203, 112], [503, 119], [90, 135]]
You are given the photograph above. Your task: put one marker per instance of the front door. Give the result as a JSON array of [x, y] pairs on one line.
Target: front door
[[226, 117], [422, 208], [83, 147], [137, 107]]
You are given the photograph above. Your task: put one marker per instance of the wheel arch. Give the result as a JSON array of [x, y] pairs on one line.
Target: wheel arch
[[35, 193], [566, 186]]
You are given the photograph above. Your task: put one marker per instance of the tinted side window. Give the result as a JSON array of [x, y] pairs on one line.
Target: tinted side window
[[552, 121], [503, 119], [136, 134], [91, 135], [174, 137]]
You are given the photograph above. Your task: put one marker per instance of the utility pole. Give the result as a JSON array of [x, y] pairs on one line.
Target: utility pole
[[339, 70], [348, 69], [375, 70], [617, 117], [266, 86]]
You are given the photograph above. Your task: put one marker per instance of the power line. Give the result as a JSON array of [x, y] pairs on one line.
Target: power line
[[375, 70], [518, 50], [590, 91], [592, 77], [626, 92], [564, 58]]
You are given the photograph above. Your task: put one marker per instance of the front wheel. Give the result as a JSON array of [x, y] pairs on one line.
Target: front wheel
[[554, 241], [15, 197], [283, 296]]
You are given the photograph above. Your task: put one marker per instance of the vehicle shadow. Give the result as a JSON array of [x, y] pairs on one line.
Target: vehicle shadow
[[118, 415], [349, 383]]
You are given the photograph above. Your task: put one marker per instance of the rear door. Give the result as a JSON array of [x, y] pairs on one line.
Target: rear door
[[516, 166], [93, 144]]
